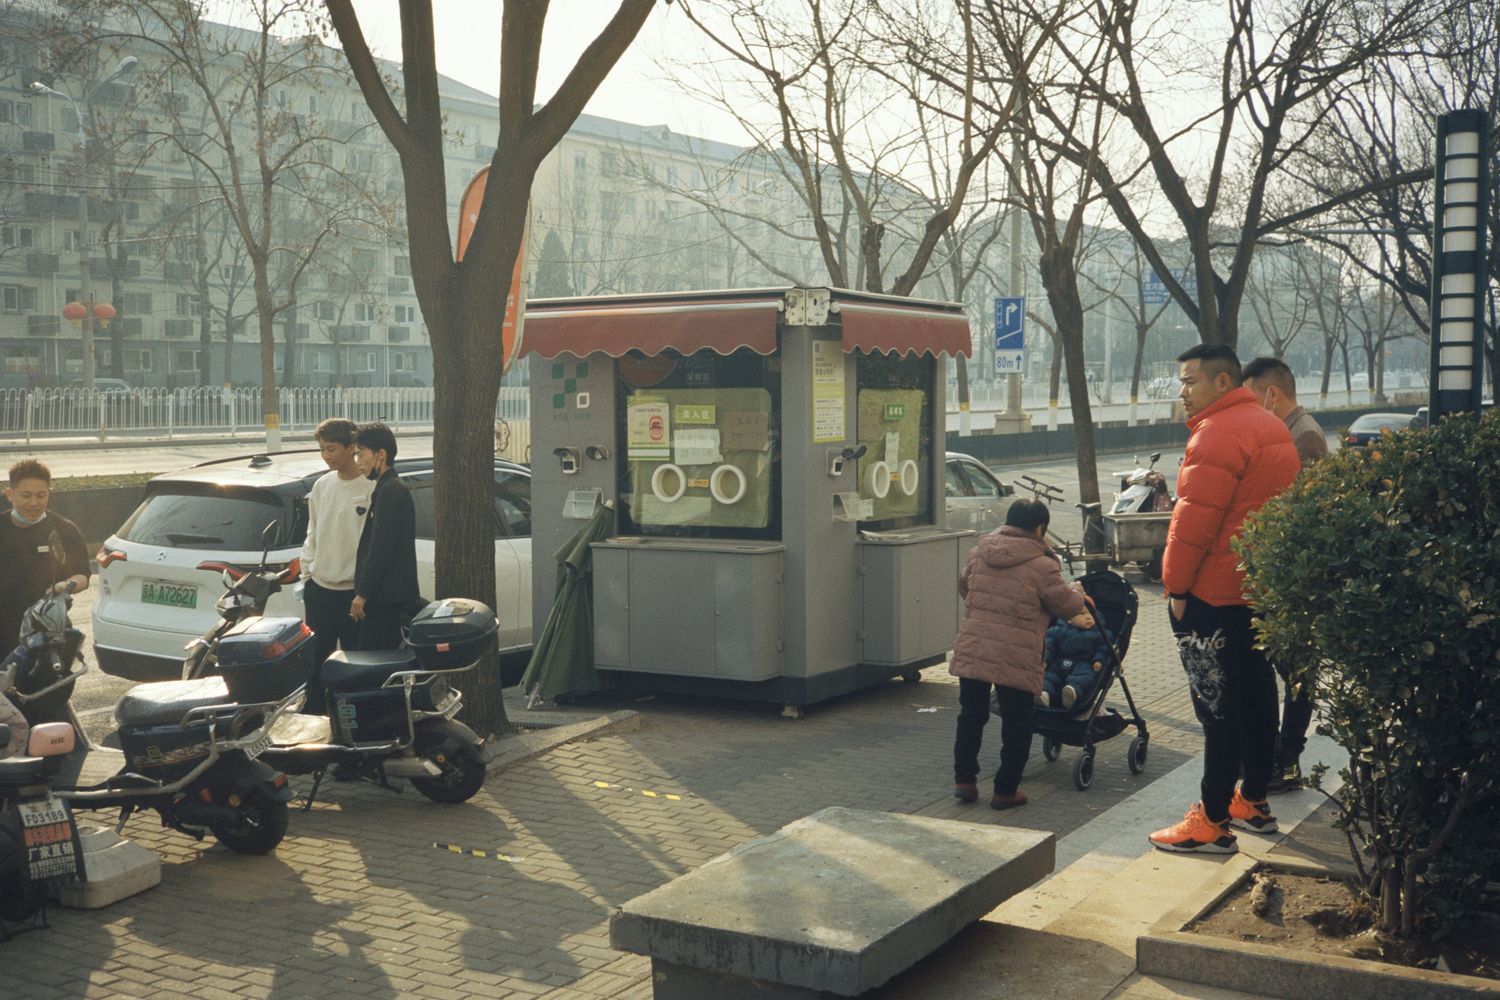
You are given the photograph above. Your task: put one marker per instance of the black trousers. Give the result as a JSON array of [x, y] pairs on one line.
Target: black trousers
[[380, 628], [1296, 716], [1234, 696], [1015, 732], [328, 617]]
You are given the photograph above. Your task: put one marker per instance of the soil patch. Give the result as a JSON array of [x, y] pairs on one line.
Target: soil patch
[[1324, 916]]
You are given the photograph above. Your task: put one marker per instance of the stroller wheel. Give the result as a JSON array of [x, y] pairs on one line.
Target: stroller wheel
[[1083, 771], [1051, 749], [1135, 758]]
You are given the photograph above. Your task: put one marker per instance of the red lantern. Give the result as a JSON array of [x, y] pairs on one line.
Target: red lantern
[[103, 313], [74, 312]]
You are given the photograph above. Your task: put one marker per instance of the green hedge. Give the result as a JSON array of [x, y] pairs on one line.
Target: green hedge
[[1378, 574]]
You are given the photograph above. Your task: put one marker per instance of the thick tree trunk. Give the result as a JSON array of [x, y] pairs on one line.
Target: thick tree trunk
[[1059, 277], [117, 328], [265, 321], [467, 366]]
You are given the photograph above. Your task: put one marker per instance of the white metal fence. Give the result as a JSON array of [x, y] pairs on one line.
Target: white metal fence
[[104, 413]]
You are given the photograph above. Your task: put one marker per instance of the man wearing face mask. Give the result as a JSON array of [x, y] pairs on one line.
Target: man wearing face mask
[[385, 566], [1270, 381], [29, 533]]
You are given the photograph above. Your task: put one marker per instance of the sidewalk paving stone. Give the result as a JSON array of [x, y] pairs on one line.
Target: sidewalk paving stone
[[358, 900]]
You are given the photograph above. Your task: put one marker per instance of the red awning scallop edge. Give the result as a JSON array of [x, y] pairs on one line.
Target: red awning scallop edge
[[872, 327], [723, 326]]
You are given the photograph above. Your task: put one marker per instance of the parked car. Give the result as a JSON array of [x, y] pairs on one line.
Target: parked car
[[159, 574], [975, 497], [1359, 380], [1368, 427], [108, 386], [1420, 419]]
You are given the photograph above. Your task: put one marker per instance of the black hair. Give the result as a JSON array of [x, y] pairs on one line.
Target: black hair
[[376, 436], [1272, 371], [336, 430], [1028, 515], [1214, 358], [29, 468]]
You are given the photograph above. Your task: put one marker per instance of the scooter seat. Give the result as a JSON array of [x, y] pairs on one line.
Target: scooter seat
[[364, 668], [166, 702], [22, 770]]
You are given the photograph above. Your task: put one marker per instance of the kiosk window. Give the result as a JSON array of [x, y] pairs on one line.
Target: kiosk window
[[895, 428], [700, 447]]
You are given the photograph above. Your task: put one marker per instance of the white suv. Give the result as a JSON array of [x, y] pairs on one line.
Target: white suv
[[159, 573]]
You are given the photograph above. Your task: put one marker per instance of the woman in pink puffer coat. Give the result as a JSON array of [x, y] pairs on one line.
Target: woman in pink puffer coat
[[1012, 587]]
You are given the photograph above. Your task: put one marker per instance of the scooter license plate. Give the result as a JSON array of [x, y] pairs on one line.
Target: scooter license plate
[[51, 840], [259, 747]]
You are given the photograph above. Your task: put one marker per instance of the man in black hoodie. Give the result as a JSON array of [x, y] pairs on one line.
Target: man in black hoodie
[[385, 568]]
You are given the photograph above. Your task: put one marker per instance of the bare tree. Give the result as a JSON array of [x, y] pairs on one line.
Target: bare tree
[[251, 146], [460, 300], [1386, 125], [1270, 66], [852, 118]]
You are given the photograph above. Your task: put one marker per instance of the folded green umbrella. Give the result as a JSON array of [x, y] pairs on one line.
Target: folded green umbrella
[[562, 660]]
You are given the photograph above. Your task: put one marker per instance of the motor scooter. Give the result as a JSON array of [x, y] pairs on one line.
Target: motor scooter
[[381, 714], [38, 840], [1143, 490], [190, 750]]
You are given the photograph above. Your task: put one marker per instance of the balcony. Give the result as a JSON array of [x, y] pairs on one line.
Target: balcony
[[398, 334], [38, 142], [41, 265], [130, 326], [43, 326], [397, 286], [350, 334], [177, 271], [179, 328]]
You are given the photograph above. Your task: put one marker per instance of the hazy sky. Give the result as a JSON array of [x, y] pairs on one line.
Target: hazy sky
[[468, 49]]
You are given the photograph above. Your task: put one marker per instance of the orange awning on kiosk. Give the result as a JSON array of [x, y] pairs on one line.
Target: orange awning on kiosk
[[727, 321]]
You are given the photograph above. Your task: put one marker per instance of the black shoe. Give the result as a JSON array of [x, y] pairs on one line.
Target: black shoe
[[1288, 779]]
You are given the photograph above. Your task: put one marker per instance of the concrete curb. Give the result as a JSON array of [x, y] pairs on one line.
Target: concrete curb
[[1170, 951], [519, 747]]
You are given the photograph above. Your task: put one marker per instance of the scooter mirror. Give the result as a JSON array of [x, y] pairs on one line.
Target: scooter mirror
[[266, 534], [1155, 457]]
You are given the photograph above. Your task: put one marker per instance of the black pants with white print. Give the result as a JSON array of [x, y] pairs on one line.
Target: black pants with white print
[[1234, 697]]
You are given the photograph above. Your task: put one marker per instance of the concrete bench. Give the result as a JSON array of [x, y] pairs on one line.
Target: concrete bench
[[832, 905]]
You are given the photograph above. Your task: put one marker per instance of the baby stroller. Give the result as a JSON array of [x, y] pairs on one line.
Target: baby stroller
[[1090, 722]]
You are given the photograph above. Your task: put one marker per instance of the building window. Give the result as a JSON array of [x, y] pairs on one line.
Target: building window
[[23, 360], [136, 304], [403, 361], [188, 305], [17, 236], [184, 360], [406, 314], [312, 104], [72, 240], [580, 163], [324, 311], [137, 359], [15, 112], [364, 312], [369, 361], [17, 298], [402, 265]]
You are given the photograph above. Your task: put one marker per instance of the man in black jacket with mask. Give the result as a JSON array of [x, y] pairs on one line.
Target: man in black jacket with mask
[[385, 568]]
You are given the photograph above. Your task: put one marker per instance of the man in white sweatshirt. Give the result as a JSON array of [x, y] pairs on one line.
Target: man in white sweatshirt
[[336, 510]]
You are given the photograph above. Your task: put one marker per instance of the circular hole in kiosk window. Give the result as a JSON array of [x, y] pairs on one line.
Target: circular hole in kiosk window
[[909, 477], [716, 484], [880, 480], [668, 482]]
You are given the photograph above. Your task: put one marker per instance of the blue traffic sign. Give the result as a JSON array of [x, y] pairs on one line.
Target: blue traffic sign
[[1010, 335]]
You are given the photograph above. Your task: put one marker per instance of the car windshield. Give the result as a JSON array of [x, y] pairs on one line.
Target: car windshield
[[225, 520], [1379, 421]]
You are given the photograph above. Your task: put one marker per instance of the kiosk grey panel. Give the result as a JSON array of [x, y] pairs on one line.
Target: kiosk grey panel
[[723, 618], [910, 594]]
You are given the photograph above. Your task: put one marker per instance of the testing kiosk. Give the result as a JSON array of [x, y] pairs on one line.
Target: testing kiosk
[[776, 458]]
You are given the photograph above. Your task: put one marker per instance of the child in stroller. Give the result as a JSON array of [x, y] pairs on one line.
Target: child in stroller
[[1075, 657]]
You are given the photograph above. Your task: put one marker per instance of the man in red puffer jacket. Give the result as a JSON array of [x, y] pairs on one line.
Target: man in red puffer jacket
[[1238, 457]]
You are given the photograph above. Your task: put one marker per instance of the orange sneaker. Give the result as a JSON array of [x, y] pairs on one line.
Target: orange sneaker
[[1253, 816], [1197, 833]]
